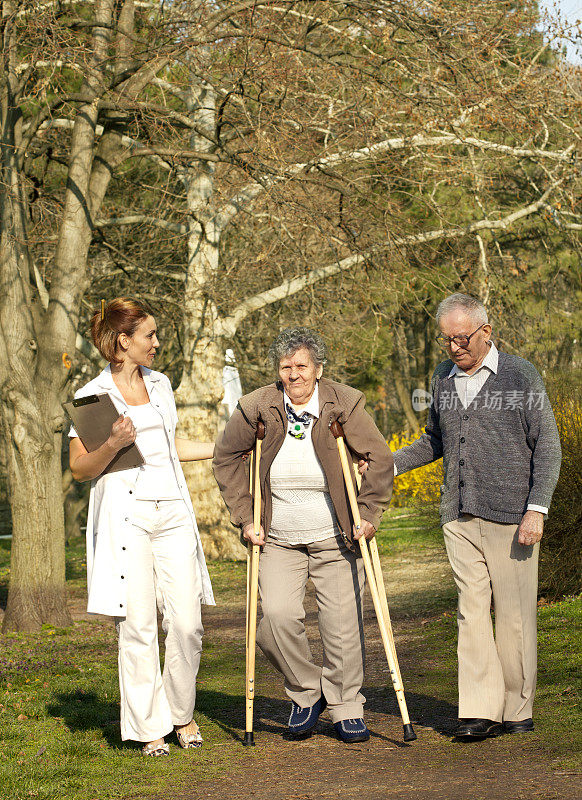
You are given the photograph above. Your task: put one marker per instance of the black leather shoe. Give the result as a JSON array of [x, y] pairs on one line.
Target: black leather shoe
[[475, 729], [520, 726]]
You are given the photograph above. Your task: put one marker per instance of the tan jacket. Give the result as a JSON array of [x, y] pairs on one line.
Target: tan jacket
[[336, 401]]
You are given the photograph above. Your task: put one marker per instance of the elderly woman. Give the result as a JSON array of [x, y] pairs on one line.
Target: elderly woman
[[307, 530]]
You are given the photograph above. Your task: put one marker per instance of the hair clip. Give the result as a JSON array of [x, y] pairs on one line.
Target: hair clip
[[102, 310]]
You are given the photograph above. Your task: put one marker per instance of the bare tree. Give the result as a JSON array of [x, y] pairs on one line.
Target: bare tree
[[335, 139], [264, 150], [72, 75]]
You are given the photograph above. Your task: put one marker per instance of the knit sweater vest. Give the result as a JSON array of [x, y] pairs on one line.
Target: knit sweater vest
[[500, 453]]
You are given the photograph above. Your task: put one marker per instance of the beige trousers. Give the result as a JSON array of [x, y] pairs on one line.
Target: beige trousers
[[497, 672], [163, 573], [338, 577]]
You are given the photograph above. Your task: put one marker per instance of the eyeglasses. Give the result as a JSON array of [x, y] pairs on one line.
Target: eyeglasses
[[460, 341]]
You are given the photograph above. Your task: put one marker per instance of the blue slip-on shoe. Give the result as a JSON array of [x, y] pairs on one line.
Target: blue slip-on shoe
[[303, 720], [352, 730]]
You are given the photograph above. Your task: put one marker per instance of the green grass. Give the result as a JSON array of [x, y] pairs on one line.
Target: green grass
[[558, 710], [404, 529], [59, 708], [59, 693], [59, 717]]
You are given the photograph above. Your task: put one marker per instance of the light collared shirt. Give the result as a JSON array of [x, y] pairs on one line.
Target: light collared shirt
[[469, 386]]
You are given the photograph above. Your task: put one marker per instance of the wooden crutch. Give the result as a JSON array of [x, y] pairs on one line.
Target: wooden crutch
[[379, 575], [375, 583], [253, 552]]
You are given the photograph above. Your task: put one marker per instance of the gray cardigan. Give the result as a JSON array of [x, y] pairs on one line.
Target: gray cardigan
[[500, 453]]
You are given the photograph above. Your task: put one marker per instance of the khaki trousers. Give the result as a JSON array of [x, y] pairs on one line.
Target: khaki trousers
[[164, 573], [338, 577], [497, 673]]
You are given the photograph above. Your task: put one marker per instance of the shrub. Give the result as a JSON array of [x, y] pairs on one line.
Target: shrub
[[561, 547], [419, 486]]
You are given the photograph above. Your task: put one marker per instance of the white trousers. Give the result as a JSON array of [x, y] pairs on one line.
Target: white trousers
[[163, 574]]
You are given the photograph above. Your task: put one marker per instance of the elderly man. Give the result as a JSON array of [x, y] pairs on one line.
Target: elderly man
[[491, 422]]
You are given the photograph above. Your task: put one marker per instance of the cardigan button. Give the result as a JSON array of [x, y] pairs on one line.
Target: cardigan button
[[462, 440], [465, 416], [462, 462], [461, 483]]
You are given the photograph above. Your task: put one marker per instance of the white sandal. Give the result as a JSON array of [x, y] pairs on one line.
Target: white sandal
[[187, 740], [152, 749]]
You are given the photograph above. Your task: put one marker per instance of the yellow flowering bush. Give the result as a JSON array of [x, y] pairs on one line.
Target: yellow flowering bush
[[420, 485], [561, 547]]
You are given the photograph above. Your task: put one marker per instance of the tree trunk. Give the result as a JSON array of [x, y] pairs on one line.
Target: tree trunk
[[199, 394], [404, 398], [401, 377], [37, 573], [200, 391], [198, 399], [31, 438]]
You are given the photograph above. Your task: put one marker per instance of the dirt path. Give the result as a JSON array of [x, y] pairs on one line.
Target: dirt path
[[434, 767]]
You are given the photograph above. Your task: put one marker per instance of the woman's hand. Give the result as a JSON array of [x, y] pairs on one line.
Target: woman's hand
[[122, 434], [249, 534], [366, 529], [86, 466]]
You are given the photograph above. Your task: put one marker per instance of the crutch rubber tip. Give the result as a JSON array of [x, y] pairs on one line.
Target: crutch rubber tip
[[409, 734], [249, 740]]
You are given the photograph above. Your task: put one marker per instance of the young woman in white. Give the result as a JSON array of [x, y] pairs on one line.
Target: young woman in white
[[143, 546]]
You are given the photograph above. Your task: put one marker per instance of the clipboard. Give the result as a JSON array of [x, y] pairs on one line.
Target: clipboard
[[92, 417]]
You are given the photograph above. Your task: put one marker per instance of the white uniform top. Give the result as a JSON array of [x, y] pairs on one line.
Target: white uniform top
[[156, 479], [113, 495]]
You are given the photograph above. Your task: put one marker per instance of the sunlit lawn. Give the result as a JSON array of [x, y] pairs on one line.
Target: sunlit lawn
[[59, 692]]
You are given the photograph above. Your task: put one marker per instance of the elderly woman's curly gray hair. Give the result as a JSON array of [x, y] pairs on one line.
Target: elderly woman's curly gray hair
[[291, 340]]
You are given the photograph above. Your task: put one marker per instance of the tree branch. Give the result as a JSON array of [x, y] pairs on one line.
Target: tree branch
[[250, 192], [228, 326], [142, 219], [126, 141]]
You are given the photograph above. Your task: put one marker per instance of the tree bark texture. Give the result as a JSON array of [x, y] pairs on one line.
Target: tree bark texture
[[37, 593], [38, 332], [200, 392]]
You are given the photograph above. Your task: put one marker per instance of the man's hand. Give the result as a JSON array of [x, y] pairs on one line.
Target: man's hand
[[531, 527], [249, 534], [366, 529]]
